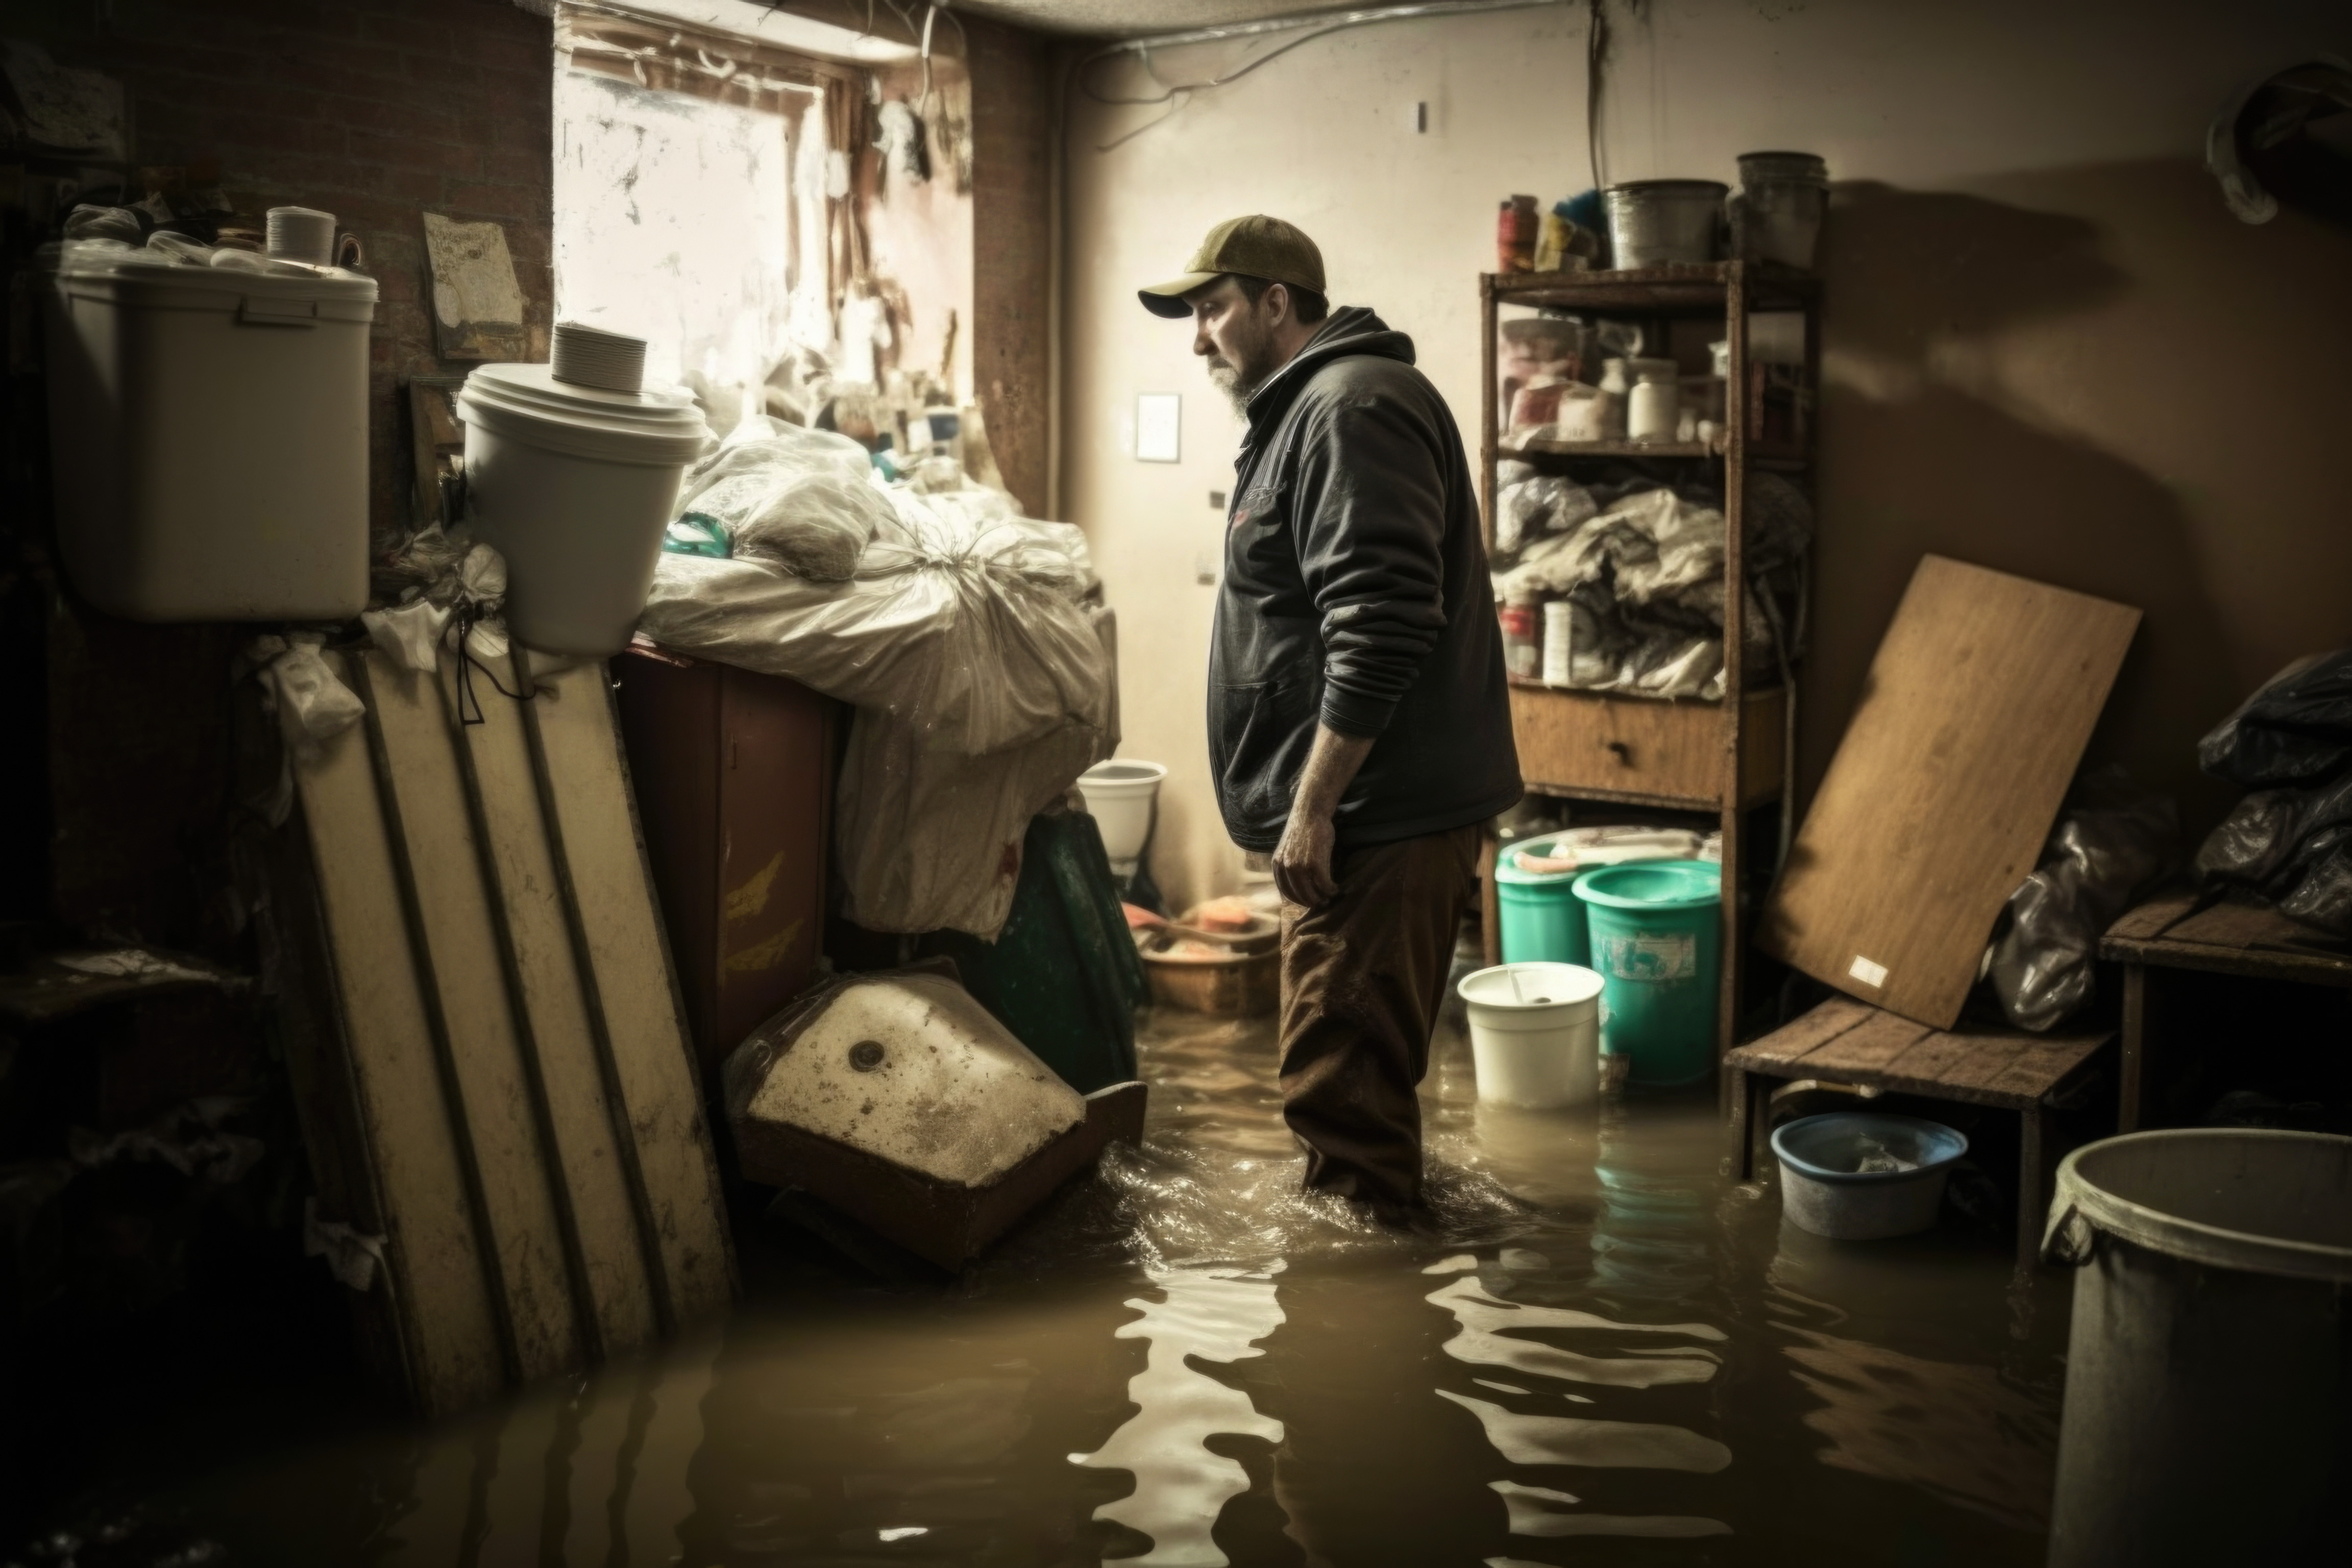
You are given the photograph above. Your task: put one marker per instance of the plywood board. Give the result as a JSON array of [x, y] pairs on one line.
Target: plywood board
[[525, 1126], [1978, 707]]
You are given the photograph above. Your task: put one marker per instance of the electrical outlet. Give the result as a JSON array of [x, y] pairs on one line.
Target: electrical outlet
[[1204, 569], [1217, 499]]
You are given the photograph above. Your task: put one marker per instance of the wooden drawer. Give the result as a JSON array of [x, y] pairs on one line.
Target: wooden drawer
[[1643, 751]]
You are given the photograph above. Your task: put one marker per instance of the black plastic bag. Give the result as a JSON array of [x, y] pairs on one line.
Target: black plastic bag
[[2294, 846], [2296, 729], [2108, 849]]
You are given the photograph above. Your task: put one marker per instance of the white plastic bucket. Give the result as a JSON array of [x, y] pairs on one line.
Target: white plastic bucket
[[1535, 1033], [1119, 797], [574, 486]]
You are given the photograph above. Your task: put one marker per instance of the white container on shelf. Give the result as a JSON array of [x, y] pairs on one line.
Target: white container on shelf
[[1120, 795], [1654, 410], [1535, 1035], [209, 436], [573, 485]]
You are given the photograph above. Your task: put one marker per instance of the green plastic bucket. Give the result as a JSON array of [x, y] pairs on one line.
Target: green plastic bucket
[[1656, 936], [1543, 919]]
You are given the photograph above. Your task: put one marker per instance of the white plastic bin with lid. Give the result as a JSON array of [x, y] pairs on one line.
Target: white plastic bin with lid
[[1535, 1033], [574, 485], [1120, 795], [208, 431]]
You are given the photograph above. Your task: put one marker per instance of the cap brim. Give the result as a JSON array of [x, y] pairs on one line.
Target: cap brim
[[1167, 299]]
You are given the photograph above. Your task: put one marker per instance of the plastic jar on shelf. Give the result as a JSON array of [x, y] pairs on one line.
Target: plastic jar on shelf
[[1655, 407]]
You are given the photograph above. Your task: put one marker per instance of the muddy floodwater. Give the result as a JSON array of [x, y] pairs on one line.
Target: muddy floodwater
[[1600, 1350]]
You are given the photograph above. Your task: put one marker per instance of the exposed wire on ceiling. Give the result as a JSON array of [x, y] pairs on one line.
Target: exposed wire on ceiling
[[1596, 58], [1312, 27]]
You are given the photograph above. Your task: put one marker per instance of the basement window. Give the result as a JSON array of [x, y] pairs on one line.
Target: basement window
[[700, 196]]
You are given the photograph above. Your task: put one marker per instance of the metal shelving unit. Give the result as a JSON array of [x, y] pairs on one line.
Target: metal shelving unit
[[1719, 758]]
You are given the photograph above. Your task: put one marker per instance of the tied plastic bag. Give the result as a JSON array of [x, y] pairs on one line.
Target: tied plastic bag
[[980, 672], [2105, 854], [2295, 729], [2291, 845], [964, 621], [2294, 846], [797, 501], [119, 223]]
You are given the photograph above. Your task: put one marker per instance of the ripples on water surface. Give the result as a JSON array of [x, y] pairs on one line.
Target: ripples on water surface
[[1596, 1350]]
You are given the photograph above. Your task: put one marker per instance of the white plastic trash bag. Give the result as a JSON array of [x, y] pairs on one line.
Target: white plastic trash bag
[[799, 501], [982, 674], [966, 627]]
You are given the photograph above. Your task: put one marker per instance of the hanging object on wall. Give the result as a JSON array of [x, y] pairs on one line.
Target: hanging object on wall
[[2287, 139], [899, 136], [477, 309]]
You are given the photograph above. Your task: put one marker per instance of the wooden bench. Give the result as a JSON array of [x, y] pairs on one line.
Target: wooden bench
[[2182, 930], [1851, 1044]]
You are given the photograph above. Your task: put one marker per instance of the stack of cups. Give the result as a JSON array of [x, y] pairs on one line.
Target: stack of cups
[[1559, 641], [300, 234], [588, 356]]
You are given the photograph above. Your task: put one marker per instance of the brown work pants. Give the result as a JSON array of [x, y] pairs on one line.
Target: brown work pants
[[1363, 975]]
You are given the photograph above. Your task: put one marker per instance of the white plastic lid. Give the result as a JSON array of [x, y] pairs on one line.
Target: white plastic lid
[[78, 261], [526, 402]]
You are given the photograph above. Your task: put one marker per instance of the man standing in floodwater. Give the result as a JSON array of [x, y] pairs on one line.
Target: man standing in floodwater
[[1359, 725]]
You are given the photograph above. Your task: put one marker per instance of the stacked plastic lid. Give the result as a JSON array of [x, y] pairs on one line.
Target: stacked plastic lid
[[589, 356], [302, 234], [529, 402]]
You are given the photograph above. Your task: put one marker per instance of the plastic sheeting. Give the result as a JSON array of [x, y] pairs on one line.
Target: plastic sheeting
[[980, 672], [803, 501], [1642, 570], [2293, 845], [2100, 859]]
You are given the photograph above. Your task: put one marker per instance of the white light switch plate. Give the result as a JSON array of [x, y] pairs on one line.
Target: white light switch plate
[[1158, 426]]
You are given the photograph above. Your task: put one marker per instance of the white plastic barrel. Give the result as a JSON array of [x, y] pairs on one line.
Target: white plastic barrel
[[1535, 1033], [2208, 1371], [574, 485], [209, 436], [1118, 796]]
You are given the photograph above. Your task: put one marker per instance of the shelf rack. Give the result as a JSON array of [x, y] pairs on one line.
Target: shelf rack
[[1720, 758]]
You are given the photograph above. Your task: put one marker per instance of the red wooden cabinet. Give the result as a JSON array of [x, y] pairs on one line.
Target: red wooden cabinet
[[733, 772]]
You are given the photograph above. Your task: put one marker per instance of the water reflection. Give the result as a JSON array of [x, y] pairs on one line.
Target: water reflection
[[1977, 1435], [592, 1471], [1594, 1350], [1217, 1314]]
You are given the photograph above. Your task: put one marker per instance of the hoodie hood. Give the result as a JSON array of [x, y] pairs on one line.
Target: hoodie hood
[[1346, 333]]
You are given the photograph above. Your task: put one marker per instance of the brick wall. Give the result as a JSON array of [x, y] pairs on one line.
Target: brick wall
[[376, 111], [1011, 125]]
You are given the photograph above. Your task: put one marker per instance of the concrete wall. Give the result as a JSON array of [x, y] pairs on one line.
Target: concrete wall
[[2049, 349]]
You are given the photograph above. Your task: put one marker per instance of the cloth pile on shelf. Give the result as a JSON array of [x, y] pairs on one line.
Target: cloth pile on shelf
[[1641, 567]]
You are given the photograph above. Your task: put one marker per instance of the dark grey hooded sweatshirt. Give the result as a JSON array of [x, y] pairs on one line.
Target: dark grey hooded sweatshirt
[[1356, 595]]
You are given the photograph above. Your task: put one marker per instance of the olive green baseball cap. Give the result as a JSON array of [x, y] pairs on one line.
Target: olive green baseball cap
[[1255, 247]]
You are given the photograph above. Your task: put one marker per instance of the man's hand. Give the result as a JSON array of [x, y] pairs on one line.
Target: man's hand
[[1302, 861]]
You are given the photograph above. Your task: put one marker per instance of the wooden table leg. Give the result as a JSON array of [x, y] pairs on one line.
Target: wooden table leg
[[1735, 1158], [1490, 904], [2133, 1066], [2032, 1204]]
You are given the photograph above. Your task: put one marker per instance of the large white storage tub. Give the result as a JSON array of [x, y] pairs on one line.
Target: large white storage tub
[[209, 437]]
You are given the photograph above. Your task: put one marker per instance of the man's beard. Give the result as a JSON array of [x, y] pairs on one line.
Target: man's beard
[[1240, 377]]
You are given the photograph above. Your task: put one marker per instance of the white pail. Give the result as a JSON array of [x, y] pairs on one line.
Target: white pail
[[1119, 797], [574, 485], [1535, 1033]]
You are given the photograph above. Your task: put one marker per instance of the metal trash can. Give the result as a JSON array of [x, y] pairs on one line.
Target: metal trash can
[[2209, 1374]]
